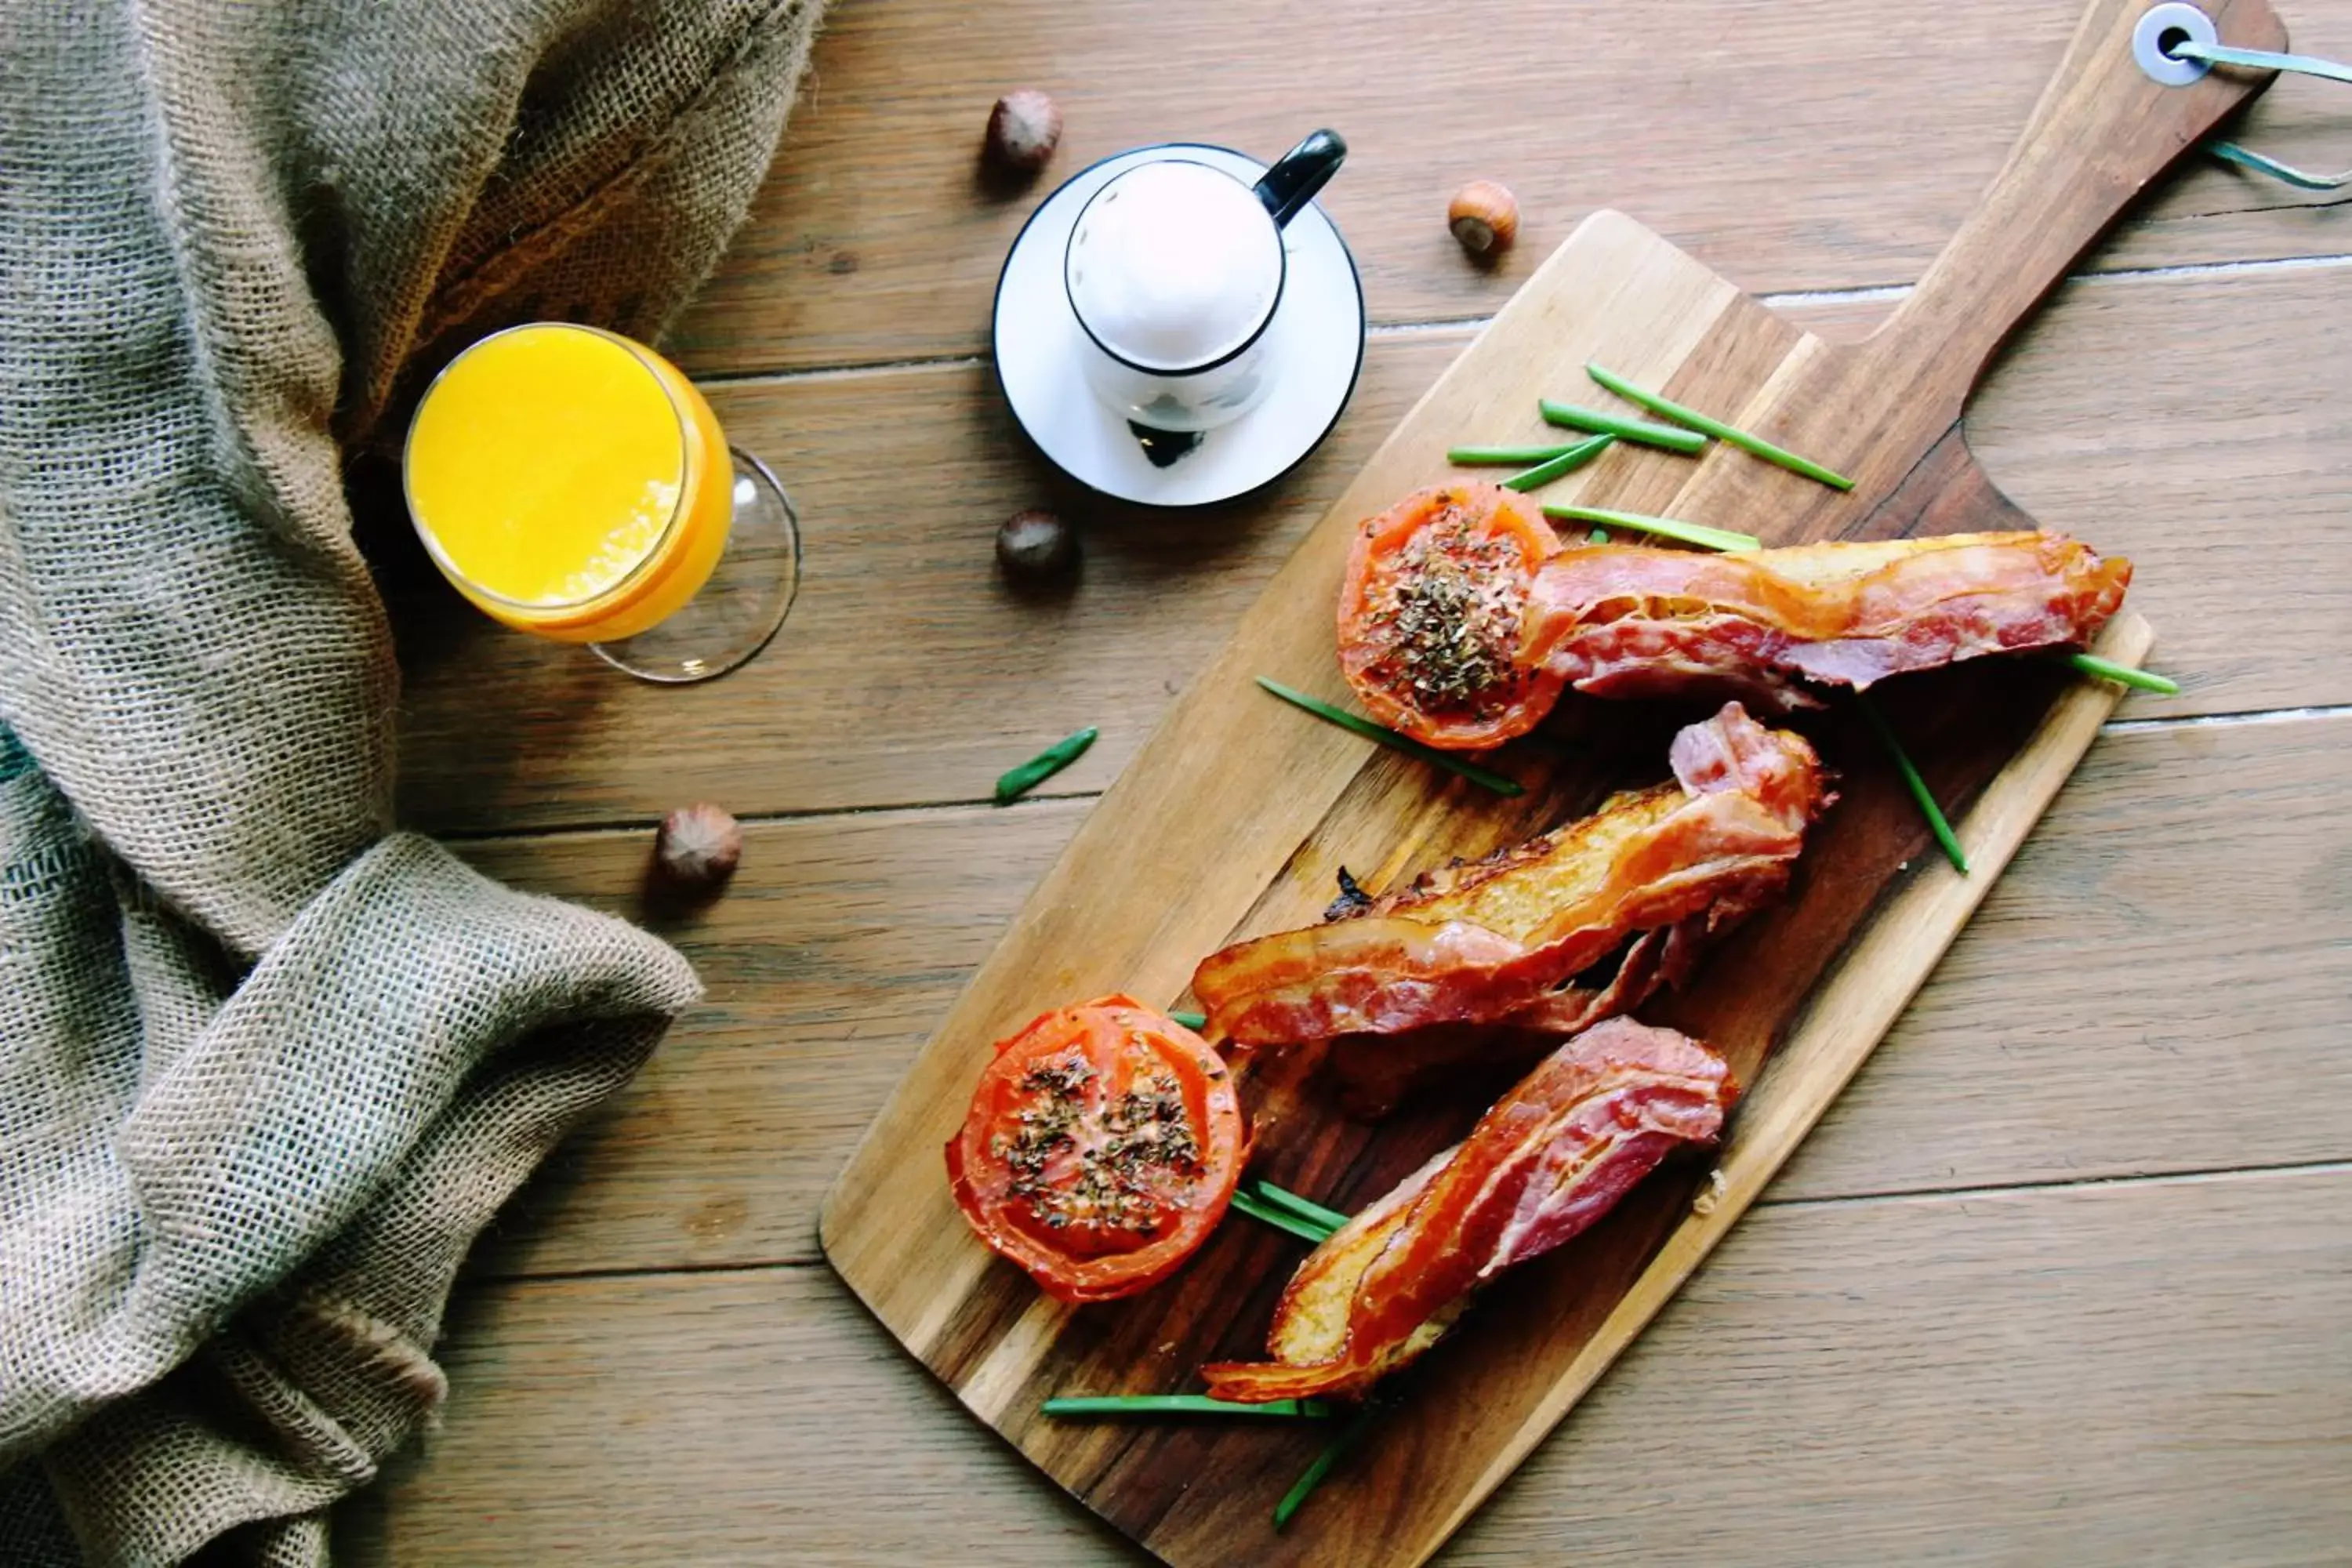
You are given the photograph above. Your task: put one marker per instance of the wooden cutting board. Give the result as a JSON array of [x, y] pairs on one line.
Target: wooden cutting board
[[1237, 815]]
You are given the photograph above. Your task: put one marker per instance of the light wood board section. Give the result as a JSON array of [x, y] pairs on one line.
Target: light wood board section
[[2197, 425], [2102, 1375], [1832, 144], [2170, 921]]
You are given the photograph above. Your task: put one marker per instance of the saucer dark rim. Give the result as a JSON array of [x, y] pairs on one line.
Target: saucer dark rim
[[1273, 306], [997, 367]]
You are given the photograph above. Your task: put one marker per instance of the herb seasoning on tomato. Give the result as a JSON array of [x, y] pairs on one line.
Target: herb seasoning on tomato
[[1430, 615], [1102, 1147]]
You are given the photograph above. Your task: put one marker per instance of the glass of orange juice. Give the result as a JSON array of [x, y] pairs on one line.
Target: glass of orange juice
[[572, 483]]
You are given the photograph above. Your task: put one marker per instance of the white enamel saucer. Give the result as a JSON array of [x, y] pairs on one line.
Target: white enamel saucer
[[1316, 342]]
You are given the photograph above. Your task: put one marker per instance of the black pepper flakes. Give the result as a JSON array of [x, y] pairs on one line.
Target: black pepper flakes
[[1449, 613], [1126, 1147]]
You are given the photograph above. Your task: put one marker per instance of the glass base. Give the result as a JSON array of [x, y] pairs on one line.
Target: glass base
[[748, 595]]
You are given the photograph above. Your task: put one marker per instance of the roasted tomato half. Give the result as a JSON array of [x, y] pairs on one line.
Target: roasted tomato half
[[1102, 1146], [1429, 613]]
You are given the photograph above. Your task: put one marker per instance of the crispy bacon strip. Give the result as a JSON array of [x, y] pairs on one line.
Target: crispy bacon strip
[[1617, 620], [1375, 1073], [1550, 1157], [1429, 581], [1481, 943]]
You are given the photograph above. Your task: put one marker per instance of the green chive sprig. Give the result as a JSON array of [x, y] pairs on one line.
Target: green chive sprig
[[1696, 533], [1265, 1213], [1938, 823], [1669, 409], [2123, 674], [1356, 725], [1333, 1452], [1018, 781], [1304, 1208], [1506, 456], [1568, 462], [1575, 416], [1181, 1405], [1190, 1020]]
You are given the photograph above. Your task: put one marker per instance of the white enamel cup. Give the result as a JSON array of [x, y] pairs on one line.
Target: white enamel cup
[[1174, 269]]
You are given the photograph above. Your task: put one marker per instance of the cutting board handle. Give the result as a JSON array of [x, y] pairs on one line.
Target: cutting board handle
[[2104, 128]]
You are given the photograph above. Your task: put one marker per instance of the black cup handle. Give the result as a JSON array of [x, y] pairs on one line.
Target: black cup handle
[[1298, 174]]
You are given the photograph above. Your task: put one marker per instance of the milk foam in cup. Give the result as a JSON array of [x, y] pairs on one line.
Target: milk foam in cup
[[1175, 269], [1174, 265]]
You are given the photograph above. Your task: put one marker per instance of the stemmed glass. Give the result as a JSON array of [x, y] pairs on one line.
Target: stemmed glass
[[572, 483]]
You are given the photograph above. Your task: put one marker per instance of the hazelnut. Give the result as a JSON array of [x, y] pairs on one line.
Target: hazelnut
[[1035, 545], [1484, 217], [1023, 130], [697, 845]]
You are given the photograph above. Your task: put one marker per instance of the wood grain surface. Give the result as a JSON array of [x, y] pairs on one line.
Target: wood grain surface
[[2188, 421], [1834, 144], [2128, 1372], [1229, 824], [2171, 911], [2092, 1368]]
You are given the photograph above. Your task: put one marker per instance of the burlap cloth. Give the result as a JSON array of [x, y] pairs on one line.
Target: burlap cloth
[[267, 1066]]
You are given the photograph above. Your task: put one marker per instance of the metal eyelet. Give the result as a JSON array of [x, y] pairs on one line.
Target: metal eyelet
[[2170, 22]]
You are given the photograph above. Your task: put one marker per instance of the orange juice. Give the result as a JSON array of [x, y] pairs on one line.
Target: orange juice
[[569, 482]]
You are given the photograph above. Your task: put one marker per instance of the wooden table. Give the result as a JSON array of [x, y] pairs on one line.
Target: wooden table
[[2066, 1275]]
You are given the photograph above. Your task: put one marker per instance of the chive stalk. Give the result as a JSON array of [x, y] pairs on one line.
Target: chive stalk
[[1667, 408], [2258, 59], [2300, 179], [1281, 1220], [1381, 734], [1938, 823], [1696, 533], [1304, 1208], [1506, 456], [1575, 416], [1333, 1452], [1568, 462], [1188, 1019], [1180, 1404], [1018, 781], [2123, 674]]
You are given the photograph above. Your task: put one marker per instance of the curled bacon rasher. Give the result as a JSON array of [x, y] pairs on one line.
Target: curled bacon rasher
[[1462, 619], [1483, 943], [1372, 1074], [1550, 1157], [1614, 620]]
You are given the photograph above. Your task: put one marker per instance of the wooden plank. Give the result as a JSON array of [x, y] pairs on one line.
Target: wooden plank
[[698, 1418], [2035, 1376], [2103, 960], [907, 671], [2194, 424], [2120, 1375], [2170, 912], [2159, 454], [874, 240], [843, 939], [836, 946], [1225, 826]]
